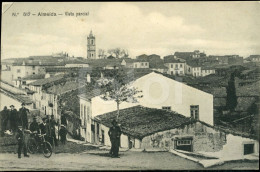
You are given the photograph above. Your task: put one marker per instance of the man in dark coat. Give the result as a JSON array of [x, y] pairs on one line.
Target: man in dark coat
[[23, 120], [114, 134], [42, 126], [13, 116], [52, 124], [63, 134], [63, 119], [21, 142], [4, 120], [34, 126]]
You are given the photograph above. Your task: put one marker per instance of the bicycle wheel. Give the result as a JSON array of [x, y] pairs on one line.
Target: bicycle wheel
[[47, 149], [32, 146]]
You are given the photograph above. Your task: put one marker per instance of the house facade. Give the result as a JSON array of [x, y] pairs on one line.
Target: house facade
[[207, 71], [193, 70], [158, 92], [140, 63]]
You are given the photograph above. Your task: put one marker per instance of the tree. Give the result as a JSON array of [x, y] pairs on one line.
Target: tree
[[101, 53], [231, 101], [118, 90], [118, 53]]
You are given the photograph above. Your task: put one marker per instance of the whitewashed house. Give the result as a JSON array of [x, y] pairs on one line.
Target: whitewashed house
[[207, 71], [193, 69], [158, 92], [175, 66], [141, 63]]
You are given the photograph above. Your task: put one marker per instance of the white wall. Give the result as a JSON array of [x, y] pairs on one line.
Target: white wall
[[161, 91], [139, 65], [173, 69], [77, 65], [234, 148]]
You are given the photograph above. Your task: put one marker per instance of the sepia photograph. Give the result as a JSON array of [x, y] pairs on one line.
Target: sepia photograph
[[114, 86]]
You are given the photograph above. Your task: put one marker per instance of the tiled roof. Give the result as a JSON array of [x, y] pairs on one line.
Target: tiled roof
[[90, 94], [34, 77], [41, 82], [139, 121]]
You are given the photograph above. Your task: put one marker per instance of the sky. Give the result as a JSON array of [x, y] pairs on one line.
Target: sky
[[218, 28]]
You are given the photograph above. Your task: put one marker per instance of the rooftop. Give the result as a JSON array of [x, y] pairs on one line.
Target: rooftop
[[139, 121], [44, 81]]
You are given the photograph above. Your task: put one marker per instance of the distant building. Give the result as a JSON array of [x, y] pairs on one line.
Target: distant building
[[175, 66], [91, 46], [227, 59], [141, 63], [207, 70], [190, 55], [193, 68], [254, 58]]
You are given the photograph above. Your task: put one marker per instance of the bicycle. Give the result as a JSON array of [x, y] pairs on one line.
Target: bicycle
[[39, 146]]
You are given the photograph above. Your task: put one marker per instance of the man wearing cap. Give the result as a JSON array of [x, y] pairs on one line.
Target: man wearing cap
[[114, 134], [13, 118], [23, 120], [42, 126], [21, 142]]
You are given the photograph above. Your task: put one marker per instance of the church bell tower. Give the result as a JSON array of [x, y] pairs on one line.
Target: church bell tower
[[91, 47]]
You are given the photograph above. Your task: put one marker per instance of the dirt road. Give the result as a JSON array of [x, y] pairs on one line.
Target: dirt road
[[99, 160]]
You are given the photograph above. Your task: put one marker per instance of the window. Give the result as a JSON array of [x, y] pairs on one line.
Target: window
[[194, 112], [145, 64], [180, 65], [176, 65], [33, 73], [33, 67], [171, 65], [183, 142], [18, 70], [181, 72], [166, 107], [248, 149], [142, 64], [92, 42], [171, 72]]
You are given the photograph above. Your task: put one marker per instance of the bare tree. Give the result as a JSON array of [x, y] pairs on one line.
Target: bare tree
[[118, 53], [117, 90], [101, 53]]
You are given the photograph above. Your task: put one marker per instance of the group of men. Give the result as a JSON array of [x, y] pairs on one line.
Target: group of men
[[13, 121], [11, 118]]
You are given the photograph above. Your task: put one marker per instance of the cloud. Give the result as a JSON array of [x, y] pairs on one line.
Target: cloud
[[119, 25]]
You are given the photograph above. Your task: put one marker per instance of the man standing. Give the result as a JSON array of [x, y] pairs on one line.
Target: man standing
[[23, 116], [114, 134], [34, 126], [42, 126], [4, 120], [53, 123], [13, 118], [21, 142]]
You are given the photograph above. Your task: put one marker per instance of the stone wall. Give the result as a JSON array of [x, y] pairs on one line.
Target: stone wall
[[204, 138]]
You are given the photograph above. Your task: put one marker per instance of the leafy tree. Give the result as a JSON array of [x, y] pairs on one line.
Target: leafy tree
[[117, 89], [231, 101]]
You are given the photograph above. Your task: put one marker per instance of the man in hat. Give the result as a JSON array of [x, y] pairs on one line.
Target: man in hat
[[13, 118], [21, 142], [23, 120], [42, 126], [114, 134], [34, 127]]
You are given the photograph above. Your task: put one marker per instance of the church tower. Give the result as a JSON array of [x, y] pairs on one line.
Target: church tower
[[91, 47]]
